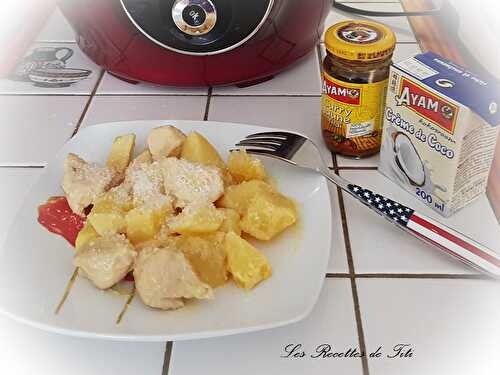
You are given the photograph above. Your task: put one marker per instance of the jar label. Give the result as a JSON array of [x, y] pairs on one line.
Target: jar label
[[352, 114]]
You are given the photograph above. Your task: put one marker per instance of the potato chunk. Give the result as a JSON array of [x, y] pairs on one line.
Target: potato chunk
[[247, 265], [197, 149], [207, 255], [86, 234], [108, 223], [165, 141], [268, 215], [238, 196], [191, 182], [121, 153], [106, 217], [197, 218], [105, 260], [120, 196], [244, 167], [264, 211], [231, 221], [84, 182], [144, 223]]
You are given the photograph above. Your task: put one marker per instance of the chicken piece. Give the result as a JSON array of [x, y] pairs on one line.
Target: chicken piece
[[147, 182], [163, 276], [84, 182], [105, 260], [144, 157], [191, 182], [165, 141]]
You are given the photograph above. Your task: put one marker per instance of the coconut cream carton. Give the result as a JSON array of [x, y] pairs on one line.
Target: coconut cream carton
[[439, 131]]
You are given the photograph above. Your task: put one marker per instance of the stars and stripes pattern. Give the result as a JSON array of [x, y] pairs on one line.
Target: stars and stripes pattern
[[431, 231], [393, 210]]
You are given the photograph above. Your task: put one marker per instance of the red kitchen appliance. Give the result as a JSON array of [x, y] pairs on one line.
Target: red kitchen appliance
[[196, 42]]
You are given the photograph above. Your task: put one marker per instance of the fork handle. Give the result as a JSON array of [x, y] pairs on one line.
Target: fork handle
[[431, 231]]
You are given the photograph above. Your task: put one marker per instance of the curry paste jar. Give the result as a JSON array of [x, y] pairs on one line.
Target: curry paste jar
[[355, 76]]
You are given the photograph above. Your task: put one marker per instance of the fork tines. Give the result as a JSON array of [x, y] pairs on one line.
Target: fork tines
[[281, 144], [270, 135]]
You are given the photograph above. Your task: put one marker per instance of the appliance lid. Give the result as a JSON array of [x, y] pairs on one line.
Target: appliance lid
[[198, 27]]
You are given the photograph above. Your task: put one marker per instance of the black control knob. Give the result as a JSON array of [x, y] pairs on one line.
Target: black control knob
[[194, 17]]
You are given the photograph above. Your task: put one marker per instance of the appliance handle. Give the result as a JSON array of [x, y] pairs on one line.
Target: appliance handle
[[362, 12]]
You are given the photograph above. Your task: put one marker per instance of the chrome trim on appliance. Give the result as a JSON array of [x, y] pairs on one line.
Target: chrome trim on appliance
[[264, 19]]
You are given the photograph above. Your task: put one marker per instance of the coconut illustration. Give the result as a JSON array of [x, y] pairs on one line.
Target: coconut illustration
[[408, 159]]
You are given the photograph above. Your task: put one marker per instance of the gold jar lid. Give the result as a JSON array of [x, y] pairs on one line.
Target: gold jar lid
[[360, 40]]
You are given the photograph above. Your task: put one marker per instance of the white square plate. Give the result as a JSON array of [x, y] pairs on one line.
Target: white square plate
[[35, 265]]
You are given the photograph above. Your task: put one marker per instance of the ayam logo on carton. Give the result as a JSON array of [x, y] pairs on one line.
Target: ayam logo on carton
[[428, 105], [343, 94]]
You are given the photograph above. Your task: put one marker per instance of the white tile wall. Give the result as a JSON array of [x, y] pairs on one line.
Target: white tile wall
[[33, 128], [300, 114], [128, 108], [303, 78], [452, 325], [57, 29], [14, 185], [338, 256], [25, 351], [112, 85], [78, 62], [331, 322]]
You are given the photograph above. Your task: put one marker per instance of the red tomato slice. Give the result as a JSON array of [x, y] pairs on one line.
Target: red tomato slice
[[57, 217]]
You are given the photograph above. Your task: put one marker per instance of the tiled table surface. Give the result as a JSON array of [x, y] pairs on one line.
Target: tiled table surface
[[382, 289]]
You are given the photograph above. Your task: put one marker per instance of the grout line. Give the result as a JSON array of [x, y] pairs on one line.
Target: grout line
[[335, 162], [408, 276], [369, 2], [34, 166], [48, 41], [345, 230], [337, 275], [359, 324], [270, 95], [87, 106], [42, 94], [154, 95], [350, 262], [207, 106], [166, 359], [366, 168], [421, 276]]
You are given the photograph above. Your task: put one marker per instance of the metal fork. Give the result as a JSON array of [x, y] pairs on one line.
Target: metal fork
[[302, 152]]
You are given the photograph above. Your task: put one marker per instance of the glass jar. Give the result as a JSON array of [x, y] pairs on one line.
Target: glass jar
[[355, 76]]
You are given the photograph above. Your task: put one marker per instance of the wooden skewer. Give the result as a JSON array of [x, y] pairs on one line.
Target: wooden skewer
[[67, 290], [125, 307]]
